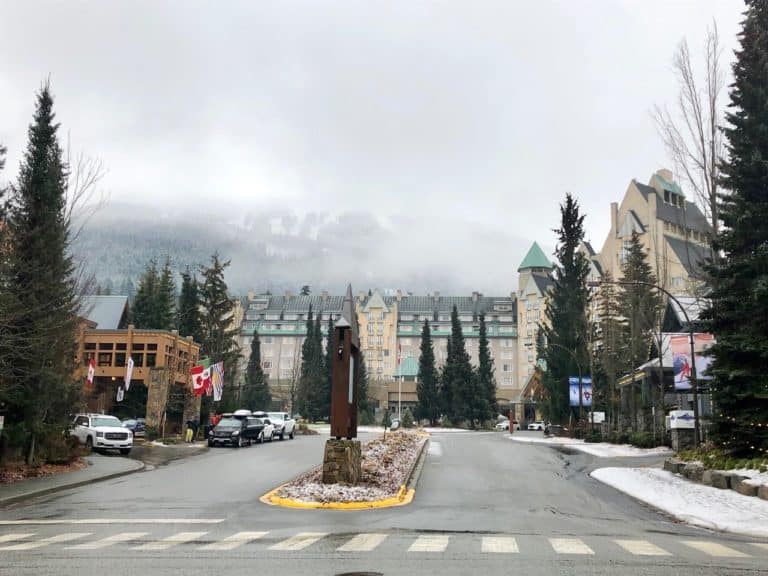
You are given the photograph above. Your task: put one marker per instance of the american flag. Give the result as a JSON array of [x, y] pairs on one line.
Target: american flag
[[217, 375]]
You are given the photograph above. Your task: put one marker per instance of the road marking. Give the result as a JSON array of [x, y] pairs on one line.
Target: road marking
[[113, 521], [642, 548], [12, 537], [714, 549], [299, 542], [108, 541], [46, 541], [435, 449], [166, 543], [500, 545], [569, 546], [234, 541], [429, 543], [363, 543]]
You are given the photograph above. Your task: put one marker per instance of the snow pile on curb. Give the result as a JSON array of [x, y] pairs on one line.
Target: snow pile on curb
[[385, 465], [695, 504], [599, 449]]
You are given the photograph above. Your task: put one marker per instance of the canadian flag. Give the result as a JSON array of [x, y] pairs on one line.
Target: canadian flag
[[91, 371], [201, 379]]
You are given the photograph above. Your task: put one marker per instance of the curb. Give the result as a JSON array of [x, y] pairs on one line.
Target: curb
[[404, 495], [21, 497]]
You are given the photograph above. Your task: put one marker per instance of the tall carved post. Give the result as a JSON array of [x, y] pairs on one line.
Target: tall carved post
[[341, 461]]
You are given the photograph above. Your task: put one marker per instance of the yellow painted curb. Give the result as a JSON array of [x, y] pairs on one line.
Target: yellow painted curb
[[404, 496]]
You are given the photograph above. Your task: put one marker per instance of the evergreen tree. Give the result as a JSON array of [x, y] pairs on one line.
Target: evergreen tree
[[39, 302], [305, 290], [567, 328], [303, 392], [328, 367], [486, 382], [257, 395], [218, 334], [145, 311], [364, 407], [427, 386], [639, 304], [739, 280], [318, 375], [188, 310], [459, 385], [166, 298]]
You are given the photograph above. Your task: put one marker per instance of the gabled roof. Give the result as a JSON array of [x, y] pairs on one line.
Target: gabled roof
[[630, 224], [543, 283], [106, 311], [690, 254], [667, 185], [375, 301], [535, 259], [691, 217]]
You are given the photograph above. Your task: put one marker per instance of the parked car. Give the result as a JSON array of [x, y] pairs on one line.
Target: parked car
[[101, 432], [136, 425], [556, 430], [236, 431], [503, 425], [538, 425], [284, 424]]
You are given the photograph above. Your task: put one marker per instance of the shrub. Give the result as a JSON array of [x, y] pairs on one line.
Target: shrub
[[366, 418], [151, 433], [407, 420], [593, 436], [642, 440], [59, 449]]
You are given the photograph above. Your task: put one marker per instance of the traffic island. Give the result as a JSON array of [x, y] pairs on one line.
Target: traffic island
[[389, 471]]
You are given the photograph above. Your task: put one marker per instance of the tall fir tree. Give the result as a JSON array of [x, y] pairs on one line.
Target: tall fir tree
[[218, 333], [40, 303], [166, 298], [318, 376], [567, 325], [427, 387], [303, 392], [328, 367], [488, 408], [364, 406], [256, 394], [639, 304], [144, 313], [459, 385], [188, 310], [739, 280]]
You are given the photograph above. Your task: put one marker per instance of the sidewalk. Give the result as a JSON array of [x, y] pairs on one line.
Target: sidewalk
[[99, 468]]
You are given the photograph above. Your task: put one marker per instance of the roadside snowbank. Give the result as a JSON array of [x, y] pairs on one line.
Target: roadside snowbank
[[695, 504], [599, 449]]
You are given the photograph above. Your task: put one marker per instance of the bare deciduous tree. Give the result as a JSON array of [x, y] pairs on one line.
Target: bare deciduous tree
[[692, 134]]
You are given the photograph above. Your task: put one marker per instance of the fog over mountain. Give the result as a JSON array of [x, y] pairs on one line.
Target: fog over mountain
[[278, 250]]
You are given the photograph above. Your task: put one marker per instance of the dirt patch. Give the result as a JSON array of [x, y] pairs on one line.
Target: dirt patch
[[385, 465], [18, 471]]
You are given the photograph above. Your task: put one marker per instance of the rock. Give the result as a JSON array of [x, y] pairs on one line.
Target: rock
[[673, 465], [720, 480], [740, 485], [693, 472], [762, 492], [341, 462], [706, 478]]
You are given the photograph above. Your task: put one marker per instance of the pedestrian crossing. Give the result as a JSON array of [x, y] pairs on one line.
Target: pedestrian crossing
[[412, 544]]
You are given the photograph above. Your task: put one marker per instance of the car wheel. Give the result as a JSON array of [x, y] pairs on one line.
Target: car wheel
[[272, 436], [282, 436], [125, 451], [261, 438], [89, 444], [210, 443], [290, 436], [239, 443]]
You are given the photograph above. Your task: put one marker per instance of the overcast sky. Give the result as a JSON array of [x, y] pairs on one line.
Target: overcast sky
[[457, 115]]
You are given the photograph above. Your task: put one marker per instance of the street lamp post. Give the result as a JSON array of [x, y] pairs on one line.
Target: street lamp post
[[578, 367], [693, 378]]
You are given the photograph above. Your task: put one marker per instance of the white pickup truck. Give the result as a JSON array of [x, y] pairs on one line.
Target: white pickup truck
[[101, 432], [284, 424]]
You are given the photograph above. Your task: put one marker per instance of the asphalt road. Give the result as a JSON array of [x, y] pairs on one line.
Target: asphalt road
[[484, 505]]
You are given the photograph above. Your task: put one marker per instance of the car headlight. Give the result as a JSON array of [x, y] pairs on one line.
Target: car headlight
[[236, 433], [99, 434]]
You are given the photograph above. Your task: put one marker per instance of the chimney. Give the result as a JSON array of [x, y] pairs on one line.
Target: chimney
[[399, 296], [251, 295], [288, 295], [361, 296], [475, 296], [614, 217], [436, 296], [324, 295]]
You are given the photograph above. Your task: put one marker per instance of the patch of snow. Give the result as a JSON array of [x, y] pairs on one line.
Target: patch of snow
[[756, 478], [158, 443], [696, 504], [599, 449]]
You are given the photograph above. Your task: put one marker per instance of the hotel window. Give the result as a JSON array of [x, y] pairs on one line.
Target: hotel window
[[285, 374], [506, 368], [506, 381], [151, 360], [267, 340], [506, 355], [405, 341], [138, 360], [120, 359], [105, 359], [267, 364]]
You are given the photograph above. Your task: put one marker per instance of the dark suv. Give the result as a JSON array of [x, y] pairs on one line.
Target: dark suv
[[235, 432]]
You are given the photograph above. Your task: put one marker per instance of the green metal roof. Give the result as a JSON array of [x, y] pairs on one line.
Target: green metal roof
[[535, 259], [409, 368], [667, 185]]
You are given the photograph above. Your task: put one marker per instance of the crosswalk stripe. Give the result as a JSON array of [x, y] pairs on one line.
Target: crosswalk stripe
[[363, 543], [166, 543], [299, 542], [642, 548], [500, 545], [108, 541], [714, 549], [12, 537], [46, 541], [429, 543], [234, 541], [569, 546]]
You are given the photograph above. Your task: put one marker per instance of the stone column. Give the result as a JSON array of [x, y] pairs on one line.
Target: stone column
[[191, 410], [157, 397], [341, 462]]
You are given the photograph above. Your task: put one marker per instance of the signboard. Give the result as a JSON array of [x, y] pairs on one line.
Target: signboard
[[596, 417], [681, 419], [680, 348], [586, 390]]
